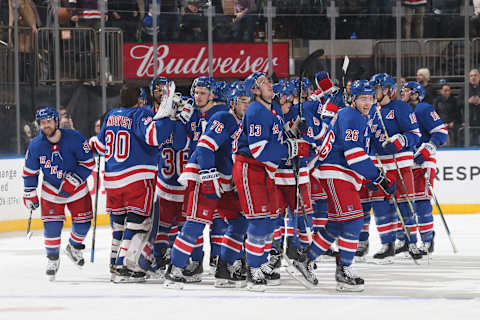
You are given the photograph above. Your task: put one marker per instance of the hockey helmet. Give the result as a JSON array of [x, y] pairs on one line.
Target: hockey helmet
[[415, 87], [361, 87], [47, 112], [157, 82], [382, 79], [202, 81]]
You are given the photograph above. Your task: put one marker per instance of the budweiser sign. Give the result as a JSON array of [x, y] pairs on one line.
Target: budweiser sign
[[191, 60]]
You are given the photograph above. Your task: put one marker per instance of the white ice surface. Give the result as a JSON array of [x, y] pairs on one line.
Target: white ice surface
[[447, 288]]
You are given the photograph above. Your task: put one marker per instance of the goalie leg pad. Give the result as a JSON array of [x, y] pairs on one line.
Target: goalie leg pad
[[134, 239], [117, 223]]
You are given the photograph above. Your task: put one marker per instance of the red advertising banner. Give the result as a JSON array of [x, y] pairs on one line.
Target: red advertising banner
[[191, 60]]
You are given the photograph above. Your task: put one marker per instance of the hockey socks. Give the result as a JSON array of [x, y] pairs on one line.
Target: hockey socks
[[52, 234], [425, 219], [257, 232], [188, 243], [232, 243], [219, 227], [320, 214], [386, 221], [78, 234], [410, 223], [365, 233]]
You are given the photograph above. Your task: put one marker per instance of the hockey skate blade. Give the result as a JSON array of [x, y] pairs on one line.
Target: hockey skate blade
[[51, 278], [273, 283], [224, 283], [343, 287], [169, 284], [361, 259], [381, 261], [292, 271], [255, 287]]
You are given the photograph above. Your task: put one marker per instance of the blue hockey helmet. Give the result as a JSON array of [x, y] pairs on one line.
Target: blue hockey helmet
[[382, 79], [415, 87], [306, 84], [251, 82], [221, 90], [361, 87], [157, 81], [47, 112], [202, 81], [239, 91]]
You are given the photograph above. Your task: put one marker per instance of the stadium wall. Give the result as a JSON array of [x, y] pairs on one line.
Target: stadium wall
[[456, 186]]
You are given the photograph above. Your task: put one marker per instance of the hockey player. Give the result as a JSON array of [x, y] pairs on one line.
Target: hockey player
[[402, 129], [65, 158], [258, 151], [201, 209], [129, 139], [434, 134], [341, 175]]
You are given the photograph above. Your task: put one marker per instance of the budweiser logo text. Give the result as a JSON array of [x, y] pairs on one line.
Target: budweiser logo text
[[187, 60]]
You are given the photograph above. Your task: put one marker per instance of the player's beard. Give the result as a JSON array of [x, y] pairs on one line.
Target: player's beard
[[52, 134]]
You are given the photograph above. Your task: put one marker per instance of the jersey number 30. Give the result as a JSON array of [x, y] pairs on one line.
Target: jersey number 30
[[117, 145]]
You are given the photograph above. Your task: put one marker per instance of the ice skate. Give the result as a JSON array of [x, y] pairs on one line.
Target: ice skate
[[194, 271], [414, 252], [52, 268], [229, 276], [256, 279], [275, 259], [362, 251], [428, 247], [306, 266], [401, 246], [347, 280], [75, 254], [385, 255], [272, 277], [213, 265], [175, 278]]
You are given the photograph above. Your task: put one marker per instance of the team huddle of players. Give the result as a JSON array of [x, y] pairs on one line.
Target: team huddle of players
[[243, 158]]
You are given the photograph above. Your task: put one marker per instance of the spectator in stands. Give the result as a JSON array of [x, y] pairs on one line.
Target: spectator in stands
[[447, 107], [475, 20], [194, 25], [474, 105], [245, 20], [403, 80], [423, 77], [125, 15], [446, 21], [65, 120], [414, 14], [85, 13], [380, 14], [27, 23]]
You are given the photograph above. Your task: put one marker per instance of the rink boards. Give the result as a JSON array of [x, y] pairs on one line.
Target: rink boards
[[456, 186]]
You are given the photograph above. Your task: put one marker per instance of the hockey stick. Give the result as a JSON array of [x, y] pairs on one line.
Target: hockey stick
[[430, 187], [29, 232], [97, 188], [397, 210], [377, 108]]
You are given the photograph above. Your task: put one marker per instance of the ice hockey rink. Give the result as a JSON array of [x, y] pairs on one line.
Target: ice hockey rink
[[446, 288]]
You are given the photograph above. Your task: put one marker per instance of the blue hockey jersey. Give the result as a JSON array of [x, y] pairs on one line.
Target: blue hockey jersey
[[431, 128], [72, 154], [261, 136], [214, 150], [129, 138], [348, 159], [398, 117]]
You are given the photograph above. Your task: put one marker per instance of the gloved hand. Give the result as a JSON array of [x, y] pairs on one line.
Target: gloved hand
[[185, 112], [299, 148], [426, 150], [30, 198], [69, 184], [323, 81], [210, 185], [395, 143], [166, 108], [387, 185], [296, 128]]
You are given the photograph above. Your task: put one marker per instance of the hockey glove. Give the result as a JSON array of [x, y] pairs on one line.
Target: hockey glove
[[185, 112], [395, 143], [299, 148], [426, 150], [69, 184], [166, 108], [323, 81], [296, 128], [210, 184], [388, 186], [30, 198]]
